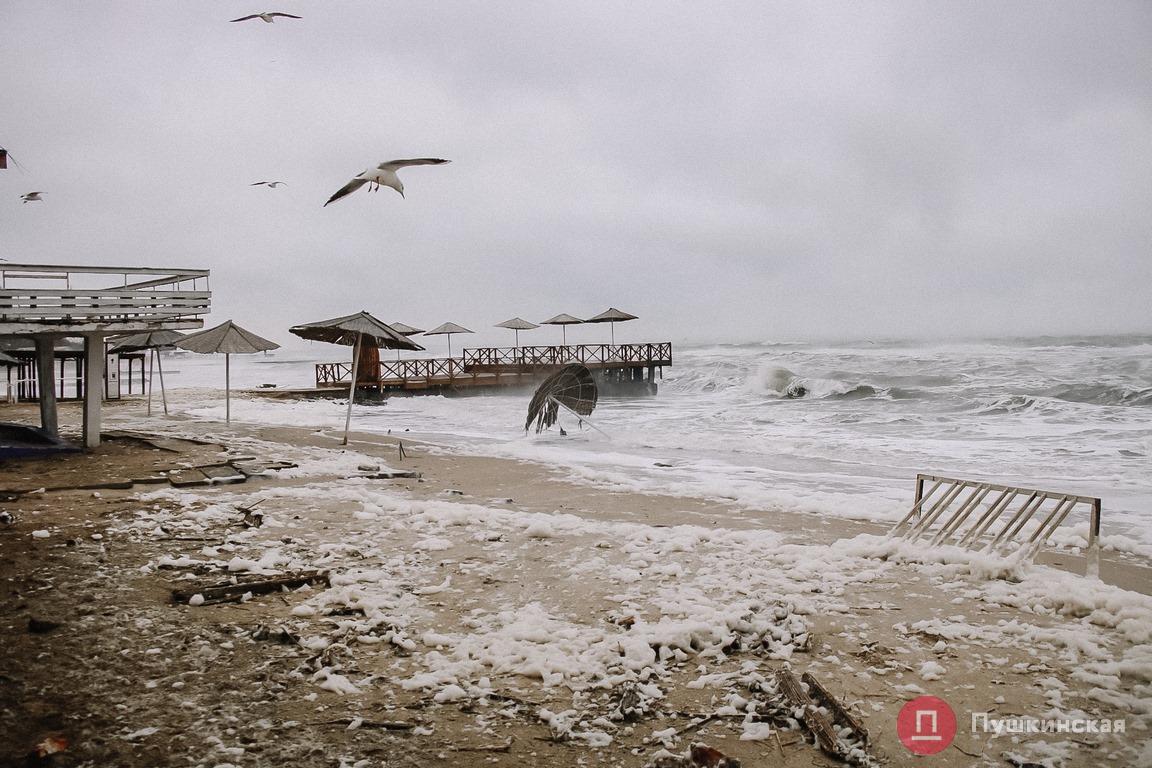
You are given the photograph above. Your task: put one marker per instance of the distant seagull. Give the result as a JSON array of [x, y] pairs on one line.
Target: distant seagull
[[268, 18], [382, 175], [31, 197], [272, 184]]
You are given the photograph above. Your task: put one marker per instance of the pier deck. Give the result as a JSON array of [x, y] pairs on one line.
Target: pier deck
[[625, 366]]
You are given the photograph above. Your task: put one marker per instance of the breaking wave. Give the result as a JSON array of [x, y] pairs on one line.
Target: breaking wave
[[1102, 394], [774, 381]]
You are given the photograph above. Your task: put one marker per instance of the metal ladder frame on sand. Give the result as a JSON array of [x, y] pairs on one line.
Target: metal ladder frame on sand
[[941, 522]]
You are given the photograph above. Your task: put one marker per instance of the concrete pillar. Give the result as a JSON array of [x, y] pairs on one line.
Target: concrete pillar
[[46, 384], [93, 388]]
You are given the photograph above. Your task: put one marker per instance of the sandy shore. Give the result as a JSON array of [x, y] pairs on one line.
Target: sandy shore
[[495, 612]]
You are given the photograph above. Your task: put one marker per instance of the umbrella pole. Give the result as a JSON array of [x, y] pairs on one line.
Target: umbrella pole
[[449, 346], [352, 386], [151, 361], [517, 332], [227, 389], [612, 327], [160, 370], [578, 416], [564, 334]]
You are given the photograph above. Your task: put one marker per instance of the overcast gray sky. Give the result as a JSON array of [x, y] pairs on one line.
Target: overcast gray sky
[[727, 171]]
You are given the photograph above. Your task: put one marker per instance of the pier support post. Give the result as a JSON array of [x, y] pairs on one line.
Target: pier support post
[[93, 388], [46, 384]]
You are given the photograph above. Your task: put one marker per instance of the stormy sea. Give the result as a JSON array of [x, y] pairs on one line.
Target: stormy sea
[[827, 428]]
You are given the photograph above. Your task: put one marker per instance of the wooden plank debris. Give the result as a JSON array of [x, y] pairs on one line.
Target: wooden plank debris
[[833, 704], [812, 718], [388, 725], [221, 474], [187, 478], [392, 474], [233, 592]]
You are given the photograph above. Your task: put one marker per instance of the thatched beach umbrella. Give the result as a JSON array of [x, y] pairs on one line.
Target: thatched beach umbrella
[[613, 316], [230, 339], [563, 321], [448, 328], [153, 341], [517, 324], [406, 330], [352, 330]]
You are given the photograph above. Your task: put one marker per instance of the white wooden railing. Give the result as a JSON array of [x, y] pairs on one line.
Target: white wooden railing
[[33, 295]]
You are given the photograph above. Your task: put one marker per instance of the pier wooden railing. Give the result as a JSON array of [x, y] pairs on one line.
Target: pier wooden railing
[[591, 355], [333, 374], [395, 371], [430, 368], [511, 361], [33, 296]]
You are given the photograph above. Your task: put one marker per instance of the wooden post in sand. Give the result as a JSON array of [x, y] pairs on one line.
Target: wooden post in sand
[[151, 365], [352, 386], [227, 389], [160, 370]]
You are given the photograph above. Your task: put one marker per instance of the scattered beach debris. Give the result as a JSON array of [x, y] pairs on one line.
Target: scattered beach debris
[[32, 197], [834, 705], [633, 702], [276, 634], [41, 626], [50, 745], [698, 755], [820, 720], [360, 722], [234, 591], [270, 185]]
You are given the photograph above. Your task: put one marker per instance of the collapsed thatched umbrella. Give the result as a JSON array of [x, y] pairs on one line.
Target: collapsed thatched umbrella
[[153, 341], [563, 320], [613, 316], [517, 324], [351, 330], [448, 328], [230, 339]]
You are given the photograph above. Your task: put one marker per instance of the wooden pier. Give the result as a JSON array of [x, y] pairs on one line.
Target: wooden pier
[[618, 368]]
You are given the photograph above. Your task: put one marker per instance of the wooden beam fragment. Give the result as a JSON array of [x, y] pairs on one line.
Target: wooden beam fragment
[[832, 703], [812, 718], [228, 592]]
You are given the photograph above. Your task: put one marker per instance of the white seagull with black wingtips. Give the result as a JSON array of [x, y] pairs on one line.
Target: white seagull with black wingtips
[[383, 175], [268, 18]]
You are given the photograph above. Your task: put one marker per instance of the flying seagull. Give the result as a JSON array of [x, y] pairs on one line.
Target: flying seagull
[[382, 175], [272, 184], [268, 18], [31, 197]]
